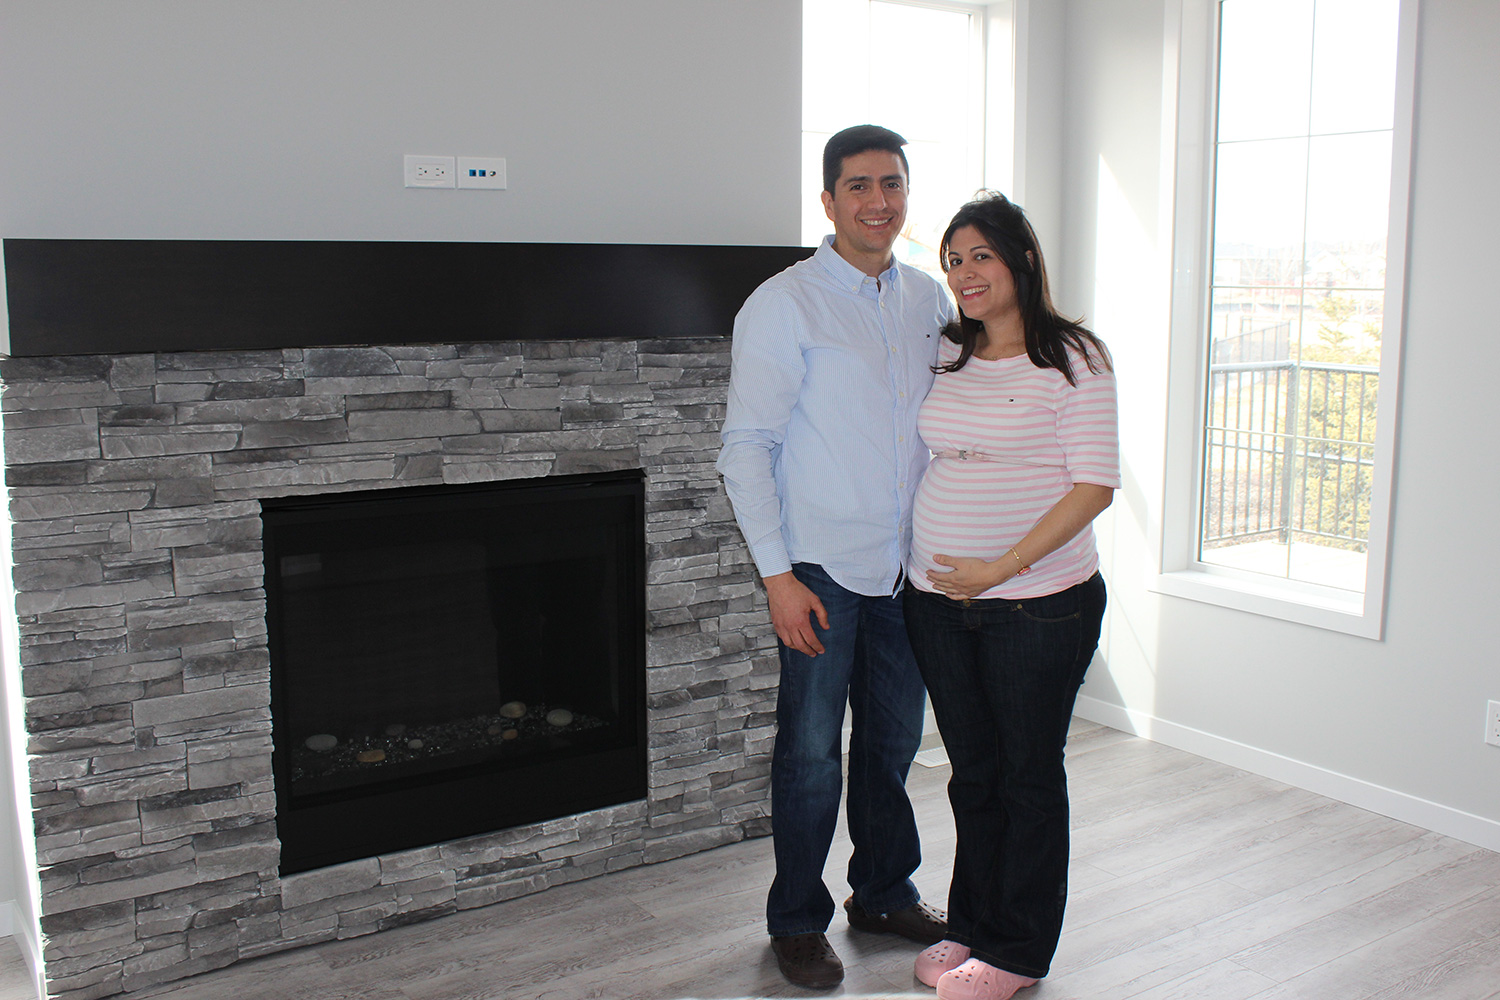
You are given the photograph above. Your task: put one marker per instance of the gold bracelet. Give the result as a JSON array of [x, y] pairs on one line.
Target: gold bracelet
[[1024, 568]]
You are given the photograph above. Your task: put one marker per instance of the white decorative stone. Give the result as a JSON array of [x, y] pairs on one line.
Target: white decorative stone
[[414, 744], [560, 717], [322, 742], [513, 709]]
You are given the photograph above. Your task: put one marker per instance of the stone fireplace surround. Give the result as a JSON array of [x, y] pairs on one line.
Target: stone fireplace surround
[[133, 484]]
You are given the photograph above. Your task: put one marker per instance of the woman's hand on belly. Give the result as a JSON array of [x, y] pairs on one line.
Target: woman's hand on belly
[[969, 576]]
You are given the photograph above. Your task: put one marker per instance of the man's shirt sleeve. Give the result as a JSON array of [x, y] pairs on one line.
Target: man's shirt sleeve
[[765, 379]]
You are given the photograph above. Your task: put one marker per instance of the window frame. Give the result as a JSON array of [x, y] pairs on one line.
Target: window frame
[[1180, 573]]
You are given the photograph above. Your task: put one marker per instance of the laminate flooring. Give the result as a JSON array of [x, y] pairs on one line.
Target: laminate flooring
[[1190, 881]]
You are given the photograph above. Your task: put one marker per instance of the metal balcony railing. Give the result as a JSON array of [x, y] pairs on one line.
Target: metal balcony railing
[[1289, 452]]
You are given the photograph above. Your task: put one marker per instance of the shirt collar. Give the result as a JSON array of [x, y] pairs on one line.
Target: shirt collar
[[845, 273]]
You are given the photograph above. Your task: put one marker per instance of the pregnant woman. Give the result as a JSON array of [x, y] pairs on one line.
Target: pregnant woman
[[1004, 599]]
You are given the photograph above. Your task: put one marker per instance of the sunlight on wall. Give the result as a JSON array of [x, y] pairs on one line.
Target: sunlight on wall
[[1126, 271], [1129, 315], [17, 851]]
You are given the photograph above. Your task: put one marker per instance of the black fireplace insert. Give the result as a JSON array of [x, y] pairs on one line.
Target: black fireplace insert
[[447, 661]]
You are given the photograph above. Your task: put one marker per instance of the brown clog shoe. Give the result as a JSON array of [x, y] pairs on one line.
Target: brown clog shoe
[[808, 960], [919, 922]]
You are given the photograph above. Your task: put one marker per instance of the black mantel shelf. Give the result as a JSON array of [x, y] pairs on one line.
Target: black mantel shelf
[[69, 297]]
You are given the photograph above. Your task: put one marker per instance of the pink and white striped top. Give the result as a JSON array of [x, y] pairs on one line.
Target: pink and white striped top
[[1039, 436]]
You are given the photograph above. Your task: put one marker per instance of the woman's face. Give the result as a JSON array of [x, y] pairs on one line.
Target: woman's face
[[981, 282]]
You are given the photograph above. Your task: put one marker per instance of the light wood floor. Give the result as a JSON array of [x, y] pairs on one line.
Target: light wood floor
[[1190, 881]]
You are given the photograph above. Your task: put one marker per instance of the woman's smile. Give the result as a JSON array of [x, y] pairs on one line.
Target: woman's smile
[[980, 280]]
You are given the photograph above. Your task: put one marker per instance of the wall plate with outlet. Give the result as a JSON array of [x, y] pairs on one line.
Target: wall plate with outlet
[[481, 172], [1492, 724], [429, 171]]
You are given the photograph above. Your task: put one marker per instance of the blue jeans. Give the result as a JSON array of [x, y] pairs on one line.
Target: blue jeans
[[867, 663], [1003, 676]]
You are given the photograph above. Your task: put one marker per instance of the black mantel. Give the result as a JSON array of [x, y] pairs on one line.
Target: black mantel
[[144, 296]]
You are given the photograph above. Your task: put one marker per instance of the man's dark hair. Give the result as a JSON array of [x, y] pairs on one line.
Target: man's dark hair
[[853, 141]]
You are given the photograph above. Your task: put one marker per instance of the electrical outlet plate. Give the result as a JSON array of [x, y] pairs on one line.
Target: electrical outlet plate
[[1492, 724], [429, 171], [481, 172]]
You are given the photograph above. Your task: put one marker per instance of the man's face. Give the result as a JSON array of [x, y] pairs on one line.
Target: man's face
[[868, 208]]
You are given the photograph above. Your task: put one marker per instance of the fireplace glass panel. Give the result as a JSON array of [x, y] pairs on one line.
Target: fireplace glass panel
[[434, 645]]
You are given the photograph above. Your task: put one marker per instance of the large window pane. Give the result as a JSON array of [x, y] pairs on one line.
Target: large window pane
[[1254, 324], [1348, 202], [1259, 207], [1354, 74], [934, 48], [1301, 203], [1265, 61]]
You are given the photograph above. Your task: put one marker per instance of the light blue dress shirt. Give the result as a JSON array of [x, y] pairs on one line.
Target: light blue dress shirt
[[821, 456]]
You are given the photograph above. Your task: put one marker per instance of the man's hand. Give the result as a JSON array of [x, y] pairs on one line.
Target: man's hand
[[792, 606]]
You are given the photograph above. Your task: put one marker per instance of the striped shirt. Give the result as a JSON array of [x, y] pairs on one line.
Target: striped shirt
[[1037, 436]]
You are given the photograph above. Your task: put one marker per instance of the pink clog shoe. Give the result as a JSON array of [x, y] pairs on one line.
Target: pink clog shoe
[[976, 980], [938, 959]]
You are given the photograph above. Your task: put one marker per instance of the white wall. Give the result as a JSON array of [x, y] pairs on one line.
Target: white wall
[[1039, 77], [1394, 725], [671, 121]]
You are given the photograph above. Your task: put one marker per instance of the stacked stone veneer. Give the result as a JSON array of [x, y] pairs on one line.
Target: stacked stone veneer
[[134, 484]]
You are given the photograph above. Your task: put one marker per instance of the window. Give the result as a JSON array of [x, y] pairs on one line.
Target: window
[[915, 67], [1288, 296]]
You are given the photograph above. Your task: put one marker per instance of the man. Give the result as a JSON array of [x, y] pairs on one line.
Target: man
[[821, 460]]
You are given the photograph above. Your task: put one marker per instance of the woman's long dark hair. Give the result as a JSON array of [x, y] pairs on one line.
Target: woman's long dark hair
[[1049, 336]]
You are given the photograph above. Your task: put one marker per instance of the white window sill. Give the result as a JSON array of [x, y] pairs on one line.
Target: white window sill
[[1287, 600]]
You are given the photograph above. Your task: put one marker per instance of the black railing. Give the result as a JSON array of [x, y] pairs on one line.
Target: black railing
[[1289, 453]]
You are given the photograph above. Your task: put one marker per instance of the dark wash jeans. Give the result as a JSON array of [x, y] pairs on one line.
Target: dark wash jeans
[[867, 663], [1003, 676]]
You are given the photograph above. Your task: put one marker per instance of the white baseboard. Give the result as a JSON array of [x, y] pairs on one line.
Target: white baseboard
[[1449, 822]]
